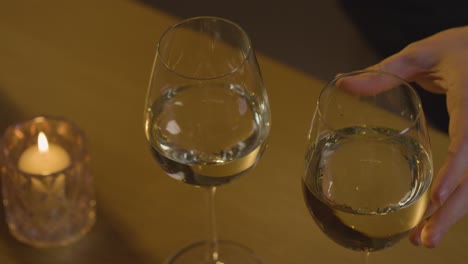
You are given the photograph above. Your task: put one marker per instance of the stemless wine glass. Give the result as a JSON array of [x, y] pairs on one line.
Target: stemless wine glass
[[207, 117], [368, 161]]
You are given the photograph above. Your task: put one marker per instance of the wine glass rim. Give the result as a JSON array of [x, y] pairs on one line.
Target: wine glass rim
[[413, 92], [243, 32]]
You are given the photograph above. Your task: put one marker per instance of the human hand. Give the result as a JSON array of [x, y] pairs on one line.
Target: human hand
[[440, 65]]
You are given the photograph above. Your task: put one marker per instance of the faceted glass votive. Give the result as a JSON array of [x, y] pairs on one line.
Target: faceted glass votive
[[48, 195]]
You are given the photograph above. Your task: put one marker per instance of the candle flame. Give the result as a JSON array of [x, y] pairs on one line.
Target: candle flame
[[42, 142]]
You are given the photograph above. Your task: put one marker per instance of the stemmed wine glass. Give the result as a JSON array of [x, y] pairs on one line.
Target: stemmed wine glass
[[207, 117], [368, 161]]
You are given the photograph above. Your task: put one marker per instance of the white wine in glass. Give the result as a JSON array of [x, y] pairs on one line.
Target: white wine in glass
[[368, 161], [207, 117]]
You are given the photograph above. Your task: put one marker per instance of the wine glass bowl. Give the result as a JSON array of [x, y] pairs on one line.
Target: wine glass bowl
[[368, 161], [207, 134], [207, 116], [207, 112]]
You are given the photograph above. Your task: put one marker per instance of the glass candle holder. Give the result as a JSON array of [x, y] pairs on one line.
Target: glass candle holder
[[48, 194]]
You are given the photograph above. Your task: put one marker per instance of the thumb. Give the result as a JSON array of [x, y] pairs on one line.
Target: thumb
[[393, 71]]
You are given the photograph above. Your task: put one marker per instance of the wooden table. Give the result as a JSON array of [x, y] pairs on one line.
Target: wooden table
[[90, 61]]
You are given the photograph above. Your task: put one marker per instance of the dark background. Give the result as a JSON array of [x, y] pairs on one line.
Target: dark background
[[324, 38]]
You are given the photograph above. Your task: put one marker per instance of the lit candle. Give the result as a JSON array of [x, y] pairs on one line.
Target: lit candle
[[45, 159]]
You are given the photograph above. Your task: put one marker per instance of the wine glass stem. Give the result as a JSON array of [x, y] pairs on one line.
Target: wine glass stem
[[213, 242]]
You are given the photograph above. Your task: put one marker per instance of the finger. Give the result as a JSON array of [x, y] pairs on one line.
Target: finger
[[453, 209], [431, 209], [403, 64], [398, 69], [450, 175], [415, 235]]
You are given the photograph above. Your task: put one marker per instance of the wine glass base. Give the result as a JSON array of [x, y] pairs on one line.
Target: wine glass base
[[229, 253]]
